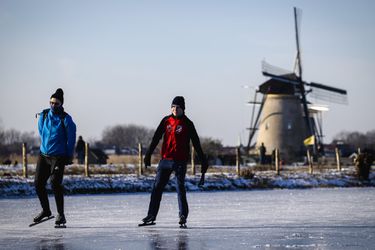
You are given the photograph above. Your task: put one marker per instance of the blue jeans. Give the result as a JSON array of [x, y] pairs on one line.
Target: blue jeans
[[165, 169]]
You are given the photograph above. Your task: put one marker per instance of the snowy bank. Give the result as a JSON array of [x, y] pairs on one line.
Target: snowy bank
[[77, 184]]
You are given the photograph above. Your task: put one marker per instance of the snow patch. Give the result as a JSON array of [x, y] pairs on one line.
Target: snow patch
[[77, 184]]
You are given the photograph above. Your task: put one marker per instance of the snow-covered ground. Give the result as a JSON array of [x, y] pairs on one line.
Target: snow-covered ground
[[319, 218], [78, 184]]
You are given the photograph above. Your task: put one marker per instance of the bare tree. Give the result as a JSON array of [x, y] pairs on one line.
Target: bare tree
[[357, 139], [122, 136], [30, 138], [3, 149], [2, 135], [11, 141], [211, 147], [11, 136]]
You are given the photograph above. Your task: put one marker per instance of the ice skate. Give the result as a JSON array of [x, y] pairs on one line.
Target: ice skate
[[182, 222], [148, 221], [60, 221], [41, 217]]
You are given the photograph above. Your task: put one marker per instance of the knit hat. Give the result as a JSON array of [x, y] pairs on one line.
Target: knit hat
[[59, 94], [180, 101]]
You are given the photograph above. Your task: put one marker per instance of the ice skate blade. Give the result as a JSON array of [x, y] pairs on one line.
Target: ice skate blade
[[145, 224], [41, 221], [183, 226], [60, 226]]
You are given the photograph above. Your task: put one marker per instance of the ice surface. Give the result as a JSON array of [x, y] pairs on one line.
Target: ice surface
[[332, 218]]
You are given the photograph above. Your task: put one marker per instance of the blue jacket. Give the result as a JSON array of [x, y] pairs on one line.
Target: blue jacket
[[56, 139]]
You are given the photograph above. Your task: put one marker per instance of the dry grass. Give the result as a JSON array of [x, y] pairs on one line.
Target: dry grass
[[129, 159], [247, 173], [128, 164], [32, 159]]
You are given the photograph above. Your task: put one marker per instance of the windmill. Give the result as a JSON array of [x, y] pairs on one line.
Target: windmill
[[284, 119]]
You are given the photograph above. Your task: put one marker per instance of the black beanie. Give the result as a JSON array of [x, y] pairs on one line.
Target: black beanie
[[59, 94], [180, 101]]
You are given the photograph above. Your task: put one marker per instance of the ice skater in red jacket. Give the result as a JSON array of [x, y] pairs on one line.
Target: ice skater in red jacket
[[178, 130]]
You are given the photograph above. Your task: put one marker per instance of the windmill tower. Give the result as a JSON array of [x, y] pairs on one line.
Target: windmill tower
[[283, 119]]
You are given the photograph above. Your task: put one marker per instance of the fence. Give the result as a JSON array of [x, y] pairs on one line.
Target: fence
[[137, 167]]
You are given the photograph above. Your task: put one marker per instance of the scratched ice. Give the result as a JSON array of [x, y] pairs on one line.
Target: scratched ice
[[334, 218]]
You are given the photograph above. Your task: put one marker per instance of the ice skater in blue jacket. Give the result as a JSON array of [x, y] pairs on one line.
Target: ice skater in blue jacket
[[58, 136]]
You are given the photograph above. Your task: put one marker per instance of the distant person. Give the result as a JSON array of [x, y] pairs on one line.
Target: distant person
[[80, 150], [262, 154], [178, 130], [320, 149], [58, 134], [363, 164], [273, 156], [360, 166]]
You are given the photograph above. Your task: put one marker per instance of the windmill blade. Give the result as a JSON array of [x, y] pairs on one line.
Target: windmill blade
[[328, 88], [254, 126], [296, 63], [318, 131], [327, 95], [280, 74], [274, 70], [252, 113], [297, 21], [281, 78]]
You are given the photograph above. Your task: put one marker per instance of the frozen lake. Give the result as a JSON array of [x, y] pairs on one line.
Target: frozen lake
[[342, 218]]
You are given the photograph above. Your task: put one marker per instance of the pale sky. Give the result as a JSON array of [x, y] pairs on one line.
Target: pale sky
[[122, 62]]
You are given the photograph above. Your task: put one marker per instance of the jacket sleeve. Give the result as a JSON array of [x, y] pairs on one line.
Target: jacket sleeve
[[197, 146], [40, 123], [71, 134], [156, 138]]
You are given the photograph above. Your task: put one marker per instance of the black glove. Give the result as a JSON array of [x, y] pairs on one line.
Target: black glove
[[201, 181], [147, 160], [69, 160]]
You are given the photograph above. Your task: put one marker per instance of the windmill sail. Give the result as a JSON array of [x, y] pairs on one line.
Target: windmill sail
[[317, 90], [297, 22], [254, 125], [273, 70], [278, 73], [328, 88], [301, 85], [328, 93]]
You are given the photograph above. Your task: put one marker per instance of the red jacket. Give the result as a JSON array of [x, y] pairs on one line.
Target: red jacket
[[176, 142]]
